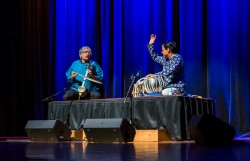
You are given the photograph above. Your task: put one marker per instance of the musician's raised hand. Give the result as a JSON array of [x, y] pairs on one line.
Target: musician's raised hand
[[152, 39]]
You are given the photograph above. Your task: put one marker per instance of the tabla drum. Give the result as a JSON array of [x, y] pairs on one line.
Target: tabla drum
[[147, 85]]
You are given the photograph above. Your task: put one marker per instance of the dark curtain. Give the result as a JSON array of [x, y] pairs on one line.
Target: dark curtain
[[26, 63], [42, 39]]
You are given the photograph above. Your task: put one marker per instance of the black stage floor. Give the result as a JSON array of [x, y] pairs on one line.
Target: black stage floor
[[18, 149]]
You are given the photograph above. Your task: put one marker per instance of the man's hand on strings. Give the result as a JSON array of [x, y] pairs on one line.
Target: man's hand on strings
[[73, 75]]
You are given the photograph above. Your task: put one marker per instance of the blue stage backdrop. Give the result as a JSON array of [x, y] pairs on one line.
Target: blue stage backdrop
[[212, 35]]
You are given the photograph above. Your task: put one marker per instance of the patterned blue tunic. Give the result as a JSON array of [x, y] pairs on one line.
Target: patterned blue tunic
[[172, 70]]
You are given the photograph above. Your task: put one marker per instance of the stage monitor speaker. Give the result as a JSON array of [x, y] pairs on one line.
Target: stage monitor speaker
[[109, 130], [47, 130], [207, 129]]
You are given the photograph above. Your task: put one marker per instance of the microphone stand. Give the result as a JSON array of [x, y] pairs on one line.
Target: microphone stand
[[131, 97], [68, 115], [51, 98]]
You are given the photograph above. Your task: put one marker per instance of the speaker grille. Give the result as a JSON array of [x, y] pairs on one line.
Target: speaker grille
[[207, 129], [47, 130], [109, 130]]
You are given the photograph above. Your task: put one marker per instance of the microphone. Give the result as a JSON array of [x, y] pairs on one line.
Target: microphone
[[138, 73], [65, 89], [132, 76]]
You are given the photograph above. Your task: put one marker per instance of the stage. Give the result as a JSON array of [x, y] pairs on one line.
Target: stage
[[170, 113], [24, 149]]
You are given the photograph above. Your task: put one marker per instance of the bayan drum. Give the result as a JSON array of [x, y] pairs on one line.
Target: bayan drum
[[148, 85]]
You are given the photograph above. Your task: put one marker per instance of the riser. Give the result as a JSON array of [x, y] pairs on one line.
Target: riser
[[140, 136]]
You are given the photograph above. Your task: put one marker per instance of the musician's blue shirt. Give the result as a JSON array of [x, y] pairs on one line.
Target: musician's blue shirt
[[81, 68]]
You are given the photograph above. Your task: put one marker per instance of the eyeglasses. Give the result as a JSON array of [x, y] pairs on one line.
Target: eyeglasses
[[86, 52]]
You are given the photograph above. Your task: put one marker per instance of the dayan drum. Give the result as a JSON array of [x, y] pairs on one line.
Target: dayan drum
[[147, 85]]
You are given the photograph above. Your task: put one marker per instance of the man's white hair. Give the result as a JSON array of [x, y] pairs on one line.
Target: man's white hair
[[85, 47]]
